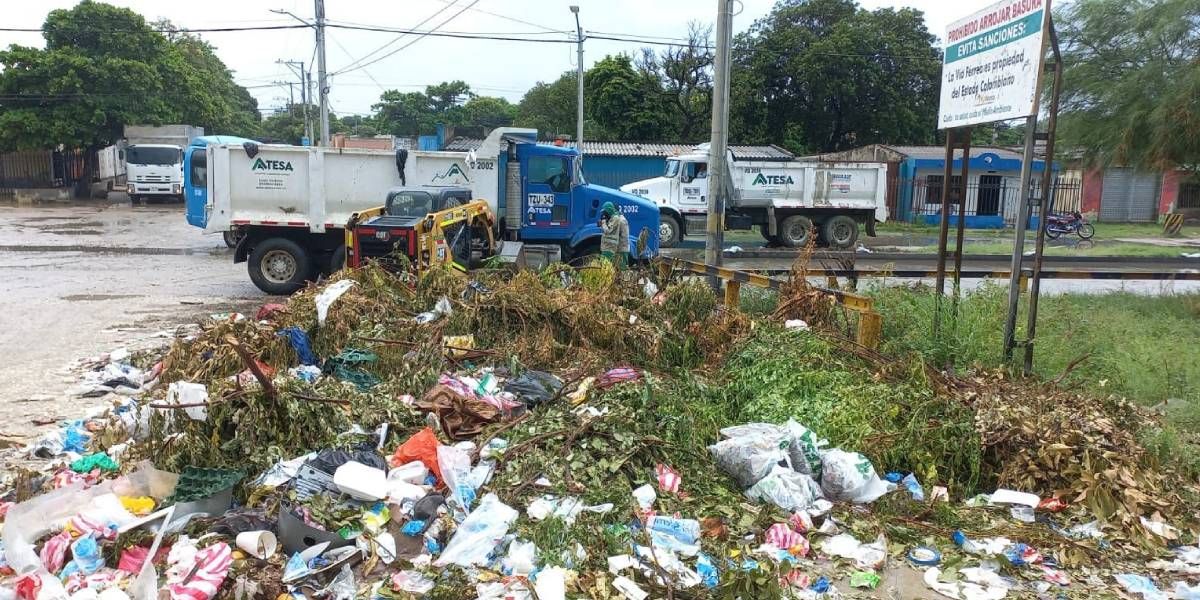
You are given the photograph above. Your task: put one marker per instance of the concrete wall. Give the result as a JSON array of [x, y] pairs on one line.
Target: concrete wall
[[341, 140], [1093, 190]]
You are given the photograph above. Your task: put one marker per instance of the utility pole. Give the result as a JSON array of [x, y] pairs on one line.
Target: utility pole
[[579, 83], [305, 93], [718, 171], [322, 78]]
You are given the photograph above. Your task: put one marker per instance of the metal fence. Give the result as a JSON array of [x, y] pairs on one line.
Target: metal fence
[[987, 196], [33, 169], [1189, 195]]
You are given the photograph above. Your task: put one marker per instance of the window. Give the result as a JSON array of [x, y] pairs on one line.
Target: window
[[551, 170], [199, 168], [151, 155], [672, 169], [409, 204], [1189, 195], [693, 171]]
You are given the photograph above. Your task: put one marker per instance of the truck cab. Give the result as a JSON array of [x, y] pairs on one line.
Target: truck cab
[[555, 204], [153, 171]]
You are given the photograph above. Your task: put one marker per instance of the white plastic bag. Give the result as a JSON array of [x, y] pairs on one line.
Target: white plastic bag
[[455, 464], [326, 298], [183, 392], [850, 476], [804, 448], [749, 459], [786, 489], [521, 559], [477, 537]]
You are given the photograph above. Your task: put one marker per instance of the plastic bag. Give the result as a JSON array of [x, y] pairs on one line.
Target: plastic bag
[[182, 392], [521, 559], [534, 387], [203, 571], [329, 459], [677, 535], [455, 466], [748, 459], [477, 537], [300, 343], [326, 298], [786, 489], [850, 476], [804, 448], [421, 447]]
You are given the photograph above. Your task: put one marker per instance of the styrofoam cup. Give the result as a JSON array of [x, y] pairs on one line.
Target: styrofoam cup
[[259, 544]]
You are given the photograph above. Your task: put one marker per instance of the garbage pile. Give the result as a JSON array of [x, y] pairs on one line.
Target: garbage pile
[[566, 434]]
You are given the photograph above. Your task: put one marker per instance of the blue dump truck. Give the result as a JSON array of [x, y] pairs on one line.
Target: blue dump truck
[[286, 207]]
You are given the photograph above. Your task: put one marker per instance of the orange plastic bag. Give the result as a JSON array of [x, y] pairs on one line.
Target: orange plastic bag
[[422, 446]]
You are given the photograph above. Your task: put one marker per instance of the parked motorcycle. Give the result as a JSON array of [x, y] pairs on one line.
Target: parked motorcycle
[[1068, 223]]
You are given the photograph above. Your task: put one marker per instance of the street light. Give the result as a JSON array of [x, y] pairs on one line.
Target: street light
[[579, 78]]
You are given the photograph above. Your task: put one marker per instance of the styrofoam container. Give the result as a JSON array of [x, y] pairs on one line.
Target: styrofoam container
[[361, 481]]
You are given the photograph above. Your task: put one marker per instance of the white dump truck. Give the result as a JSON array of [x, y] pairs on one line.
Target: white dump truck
[[290, 204], [789, 201], [154, 160]]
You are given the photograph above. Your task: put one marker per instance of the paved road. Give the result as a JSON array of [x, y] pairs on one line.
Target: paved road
[[84, 279]]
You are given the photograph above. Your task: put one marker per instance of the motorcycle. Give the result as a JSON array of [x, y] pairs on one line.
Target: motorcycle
[[1058, 224]]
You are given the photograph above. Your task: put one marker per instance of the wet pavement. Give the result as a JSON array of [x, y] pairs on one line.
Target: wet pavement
[[83, 279]]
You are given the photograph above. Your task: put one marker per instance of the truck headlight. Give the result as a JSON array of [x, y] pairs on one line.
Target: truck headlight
[[129, 188], [175, 188]]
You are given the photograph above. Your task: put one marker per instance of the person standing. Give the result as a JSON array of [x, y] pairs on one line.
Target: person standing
[[614, 243]]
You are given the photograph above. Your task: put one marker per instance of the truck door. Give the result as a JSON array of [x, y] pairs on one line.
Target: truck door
[[693, 187], [546, 191], [195, 187]]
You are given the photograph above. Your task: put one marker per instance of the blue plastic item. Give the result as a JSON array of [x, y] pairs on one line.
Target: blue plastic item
[[820, 586], [914, 487], [300, 343], [707, 570]]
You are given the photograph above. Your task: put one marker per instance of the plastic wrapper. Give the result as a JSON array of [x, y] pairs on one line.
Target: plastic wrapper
[[422, 447], [534, 387], [412, 582], [748, 459], [197, 575], [521, 559], [328, 296], [850, 476], [477, 537], [182, 392], [786, 489]]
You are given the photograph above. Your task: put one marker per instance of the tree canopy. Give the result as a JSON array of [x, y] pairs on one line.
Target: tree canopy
[[87, 83], [1131, 85]]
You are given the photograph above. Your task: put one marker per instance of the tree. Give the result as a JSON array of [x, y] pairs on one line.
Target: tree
[[624, 104], [550, 107], [102, 68], [452, 103], [1131, 81], [826, 75], [481, 114], [287, 126], [685, 75], [404, 113]]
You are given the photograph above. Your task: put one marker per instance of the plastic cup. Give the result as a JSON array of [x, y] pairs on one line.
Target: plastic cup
[[259, 544]]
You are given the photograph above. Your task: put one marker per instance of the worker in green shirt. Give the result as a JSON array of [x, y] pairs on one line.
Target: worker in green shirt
[[614, 243]]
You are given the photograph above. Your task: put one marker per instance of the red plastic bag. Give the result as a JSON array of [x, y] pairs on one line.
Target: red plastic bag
[[422, 446]]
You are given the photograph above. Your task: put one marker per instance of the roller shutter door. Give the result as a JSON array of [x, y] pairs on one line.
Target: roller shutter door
[[1129, 195]]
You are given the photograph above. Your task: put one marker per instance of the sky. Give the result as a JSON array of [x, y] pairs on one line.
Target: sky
[[495, 68]]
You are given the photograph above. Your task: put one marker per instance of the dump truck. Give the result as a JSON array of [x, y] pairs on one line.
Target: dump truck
[[788, 200], [292, 203], [154, 160]]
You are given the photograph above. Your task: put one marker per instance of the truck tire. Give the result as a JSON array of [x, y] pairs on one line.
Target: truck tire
[[279, 266], [765, 230], [840, 232], [796, 231], [669, 231], [232, 237], [337, 260]]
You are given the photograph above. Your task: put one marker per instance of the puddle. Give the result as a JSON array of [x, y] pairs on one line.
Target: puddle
[[98, 297], [74, 231]]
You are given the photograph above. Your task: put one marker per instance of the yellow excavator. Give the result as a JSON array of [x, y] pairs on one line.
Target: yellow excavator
[[431, 226]]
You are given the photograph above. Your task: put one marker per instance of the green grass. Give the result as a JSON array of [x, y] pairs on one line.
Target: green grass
[[1145, 348], [1101, 248]]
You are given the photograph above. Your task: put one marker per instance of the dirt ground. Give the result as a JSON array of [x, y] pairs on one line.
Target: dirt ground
[[83, 279]]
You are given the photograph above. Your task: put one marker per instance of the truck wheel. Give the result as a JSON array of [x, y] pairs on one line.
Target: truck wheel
[[337, 260], [840, 231], [232, 237], [279, 266], [765, 230], [669, 231], [795, 231]]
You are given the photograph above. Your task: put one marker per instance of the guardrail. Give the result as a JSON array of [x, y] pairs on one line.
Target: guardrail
[[870, 323]]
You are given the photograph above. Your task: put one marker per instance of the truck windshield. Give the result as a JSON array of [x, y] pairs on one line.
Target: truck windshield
[[137, 155], [672, 169]]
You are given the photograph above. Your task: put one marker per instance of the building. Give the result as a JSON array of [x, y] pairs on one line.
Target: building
[[916, 173], [1123, 194], [378, 142], [613, 164]]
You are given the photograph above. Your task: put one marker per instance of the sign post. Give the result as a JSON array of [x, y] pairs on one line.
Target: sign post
[[992, 71]]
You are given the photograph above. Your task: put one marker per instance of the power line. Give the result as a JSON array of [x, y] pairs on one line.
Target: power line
[[419, 38], [512, 19], [157, 30], [396, 39]]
